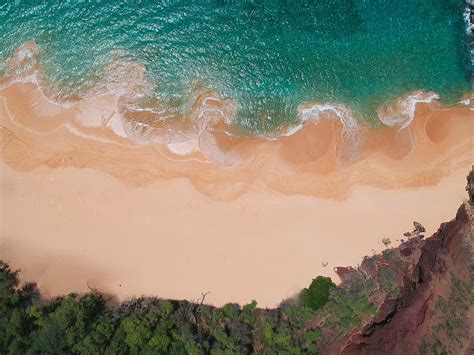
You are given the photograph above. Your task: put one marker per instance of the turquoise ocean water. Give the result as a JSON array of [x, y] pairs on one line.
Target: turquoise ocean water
[[270, 56]]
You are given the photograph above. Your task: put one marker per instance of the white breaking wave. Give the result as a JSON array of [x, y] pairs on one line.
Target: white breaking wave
[[314, 111], [468, 102], [127, 82], [401, 112], [467, 14], [351, 139], [209, 114]]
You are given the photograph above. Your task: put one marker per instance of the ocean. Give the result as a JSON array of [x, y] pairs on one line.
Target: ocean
[[267, 57]]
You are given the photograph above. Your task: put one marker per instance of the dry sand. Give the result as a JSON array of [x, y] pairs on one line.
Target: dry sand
[[67, 227], [244, 218]]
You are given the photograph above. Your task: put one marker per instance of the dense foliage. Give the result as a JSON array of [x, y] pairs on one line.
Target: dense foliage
[[93, 324], [317, 294]]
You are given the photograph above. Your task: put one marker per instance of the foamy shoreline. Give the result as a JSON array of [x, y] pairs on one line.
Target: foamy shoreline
[[115, 105], [327, 147], [243, 217]]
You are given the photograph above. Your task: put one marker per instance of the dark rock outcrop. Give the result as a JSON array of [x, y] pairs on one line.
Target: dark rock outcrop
[[426, 275], [406, 322]]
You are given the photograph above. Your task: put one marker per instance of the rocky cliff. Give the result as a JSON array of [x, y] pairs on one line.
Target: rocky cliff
[[421, 293]]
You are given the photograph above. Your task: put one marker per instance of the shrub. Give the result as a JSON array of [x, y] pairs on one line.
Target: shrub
[[317, 294]]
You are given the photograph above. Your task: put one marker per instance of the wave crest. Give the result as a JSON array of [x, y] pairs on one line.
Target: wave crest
[[120, 98], [400, 113], [351, 140]]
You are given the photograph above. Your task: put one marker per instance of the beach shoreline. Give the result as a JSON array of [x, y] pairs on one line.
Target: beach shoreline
[[242, 217], [323, 158]]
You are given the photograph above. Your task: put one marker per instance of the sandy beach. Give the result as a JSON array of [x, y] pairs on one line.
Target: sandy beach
[[83, 206], [69, 228]]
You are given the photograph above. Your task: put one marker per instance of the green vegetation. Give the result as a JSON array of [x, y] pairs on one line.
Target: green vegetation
[[317, 294], [386, 279], [450, 318], [391, 256], [93, 324], [321, 314], [346, 309]]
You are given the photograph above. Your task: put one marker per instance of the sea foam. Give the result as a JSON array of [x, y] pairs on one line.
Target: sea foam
[[123, 87], [402, 111]]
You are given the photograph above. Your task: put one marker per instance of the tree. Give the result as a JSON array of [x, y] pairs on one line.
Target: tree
[[317, 294]]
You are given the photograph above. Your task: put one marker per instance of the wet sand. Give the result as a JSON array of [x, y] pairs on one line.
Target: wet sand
[[242, 217]]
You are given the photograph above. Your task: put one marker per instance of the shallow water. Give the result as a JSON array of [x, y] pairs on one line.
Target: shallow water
[[269, 56]]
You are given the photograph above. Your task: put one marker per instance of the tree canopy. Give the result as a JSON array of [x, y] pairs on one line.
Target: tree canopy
[[317, 294], [94, 323]]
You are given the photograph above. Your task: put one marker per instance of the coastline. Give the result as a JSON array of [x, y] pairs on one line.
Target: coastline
[[322, 159], [225, 177], [241, 217]]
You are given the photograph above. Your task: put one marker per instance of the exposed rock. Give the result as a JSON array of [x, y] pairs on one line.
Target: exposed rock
[[470, 186], [416, 232], [343, 272], [407, 285], [386, 241], [418, 227], [405, 250], [407, 322]]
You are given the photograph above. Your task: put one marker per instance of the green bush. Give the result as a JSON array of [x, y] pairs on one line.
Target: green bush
[[317, 294]]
